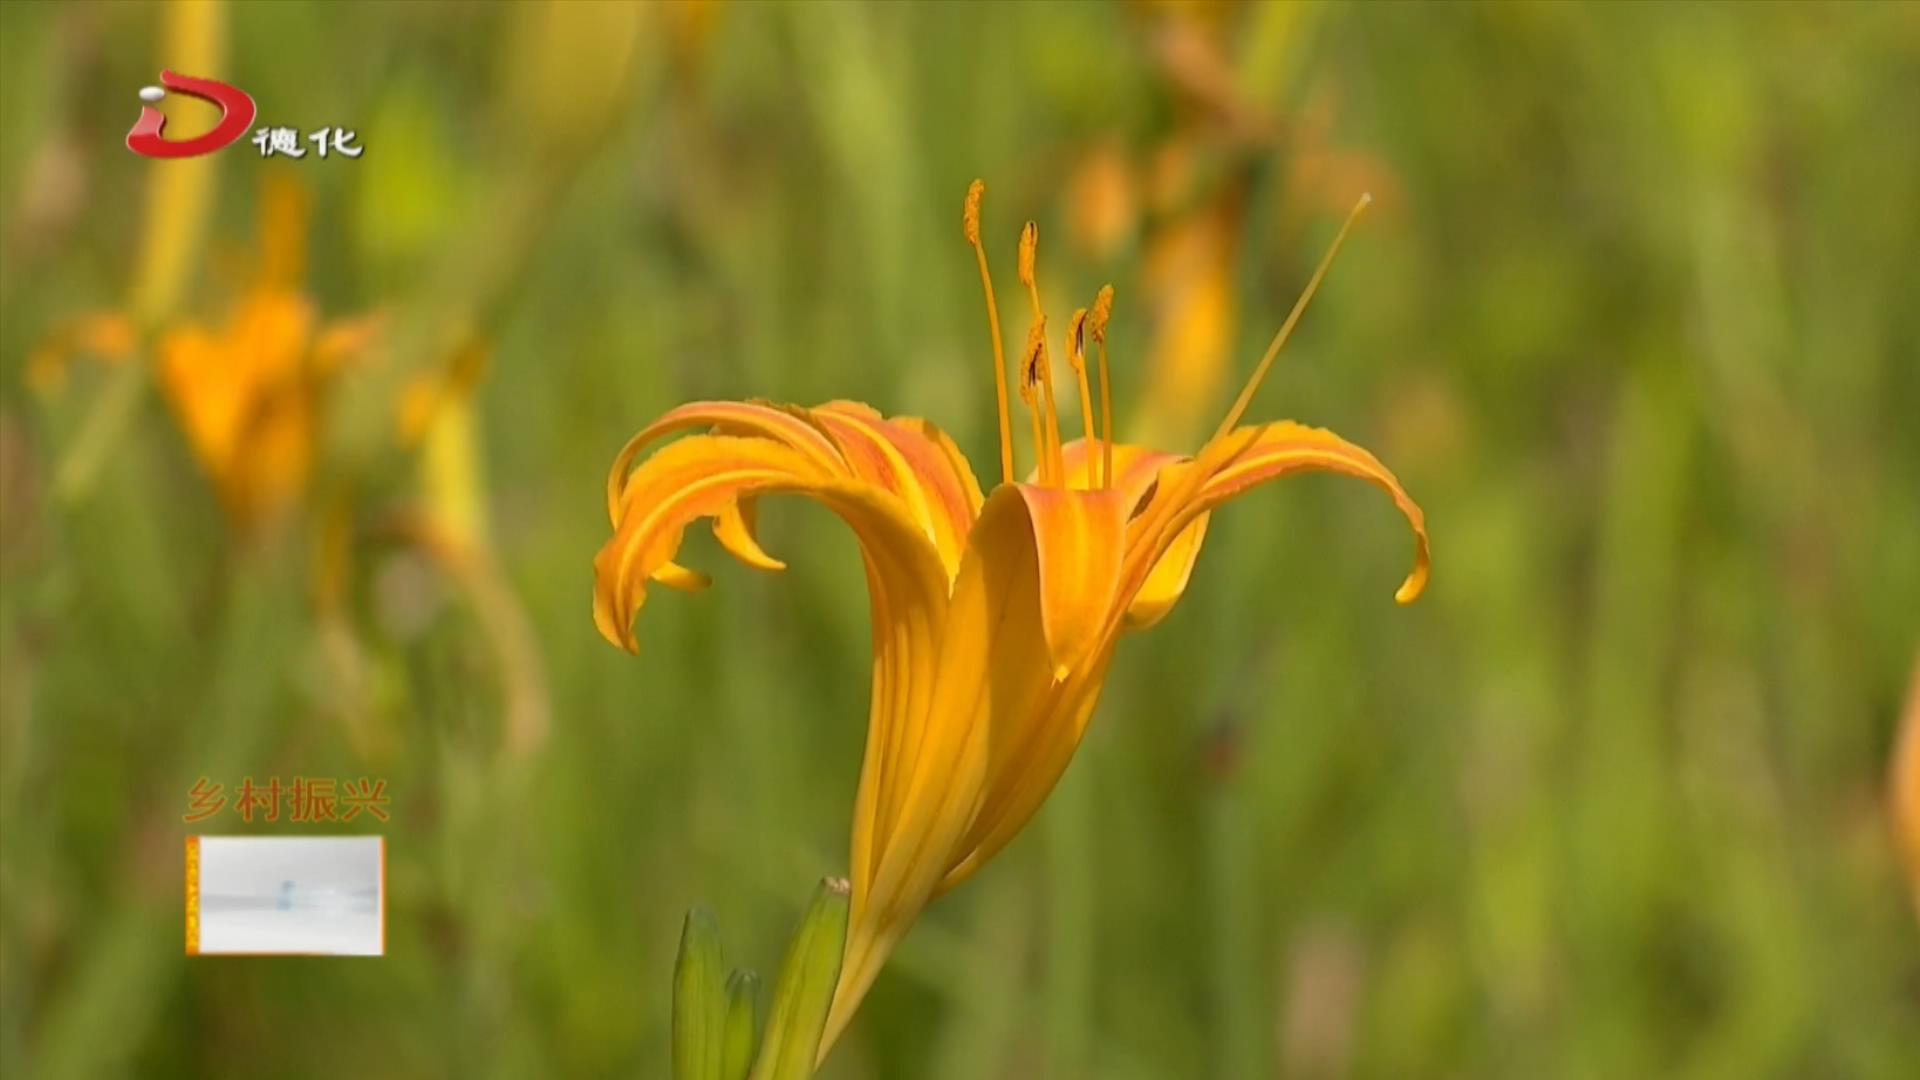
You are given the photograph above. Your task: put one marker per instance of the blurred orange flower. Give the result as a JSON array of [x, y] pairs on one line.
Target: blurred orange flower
[[1904, 786], [246, 391], [1185, 195]]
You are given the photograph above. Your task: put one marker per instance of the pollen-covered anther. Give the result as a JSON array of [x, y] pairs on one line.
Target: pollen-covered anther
[[970, 225], [1033, 360], [1102, 311], [1077, 340], [1029, 252]]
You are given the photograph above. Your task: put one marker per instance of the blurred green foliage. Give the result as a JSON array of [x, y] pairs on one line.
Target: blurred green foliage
[[1634, 319]]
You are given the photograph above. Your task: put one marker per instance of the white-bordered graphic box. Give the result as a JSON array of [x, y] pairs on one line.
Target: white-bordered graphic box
[[286, 896]]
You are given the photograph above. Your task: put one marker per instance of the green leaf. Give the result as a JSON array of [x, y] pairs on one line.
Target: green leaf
[[806, 987], [699, 1000], [744, 1016]]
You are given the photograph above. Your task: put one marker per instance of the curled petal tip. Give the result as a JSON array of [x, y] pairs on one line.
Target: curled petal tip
[[615, 625], [675, 576], [1411, 588], [734, 529]]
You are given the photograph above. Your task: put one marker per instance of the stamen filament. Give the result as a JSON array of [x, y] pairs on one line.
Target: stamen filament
[[1053, 464], [1286, 329], [1029, 395], [1055, 457], [1035, 391], [1097, 320], [1077, 356], [970, 222], [1040, 441]]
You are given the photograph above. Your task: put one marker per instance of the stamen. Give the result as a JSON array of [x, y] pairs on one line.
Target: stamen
[[1029, 253], [970, 224], [1055, 457], [1097, 326], [1286, 329], [1049, 450], [1077, 356], [1029, 394]]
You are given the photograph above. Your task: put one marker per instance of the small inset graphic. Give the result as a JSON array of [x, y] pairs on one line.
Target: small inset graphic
[[286, 896]]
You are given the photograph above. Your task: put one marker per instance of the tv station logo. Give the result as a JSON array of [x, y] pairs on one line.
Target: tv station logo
[[237, 113]]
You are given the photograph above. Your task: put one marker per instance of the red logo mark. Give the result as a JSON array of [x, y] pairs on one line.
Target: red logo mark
[[236, 108]]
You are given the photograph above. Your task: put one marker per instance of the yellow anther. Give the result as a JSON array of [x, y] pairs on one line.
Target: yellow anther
[[1030, 361], [970, 224], [1052, 469], [1077, 356], [1029, 251], [1102, 311], [1097, 328], [1037, 382]]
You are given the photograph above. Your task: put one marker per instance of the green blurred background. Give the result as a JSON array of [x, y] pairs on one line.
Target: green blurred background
[[1634, 319]]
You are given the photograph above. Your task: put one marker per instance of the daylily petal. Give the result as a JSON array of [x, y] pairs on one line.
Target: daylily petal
[[1167, 581], [1136, 471], [959, 471], [914, 460], [680, 579], [734, 527], [1246, 458], [703, 475], [725, 417], [712, 475], [1135, 468], [1030, 603], [1079, 537], [923, 788], [1030, 751], [732, 524]]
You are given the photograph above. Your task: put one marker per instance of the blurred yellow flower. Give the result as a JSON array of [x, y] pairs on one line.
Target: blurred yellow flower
[[107, 336], [246, 391], [1187, 273], [1904, 786], [1185, 196], [994, 618]]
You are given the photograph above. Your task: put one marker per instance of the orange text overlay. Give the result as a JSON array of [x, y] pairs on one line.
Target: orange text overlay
[[304, 798]]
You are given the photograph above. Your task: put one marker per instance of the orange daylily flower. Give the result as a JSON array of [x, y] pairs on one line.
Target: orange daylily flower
[[247, 391], [995, 617]]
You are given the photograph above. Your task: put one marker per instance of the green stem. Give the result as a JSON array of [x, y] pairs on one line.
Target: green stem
[[1070, 932]]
